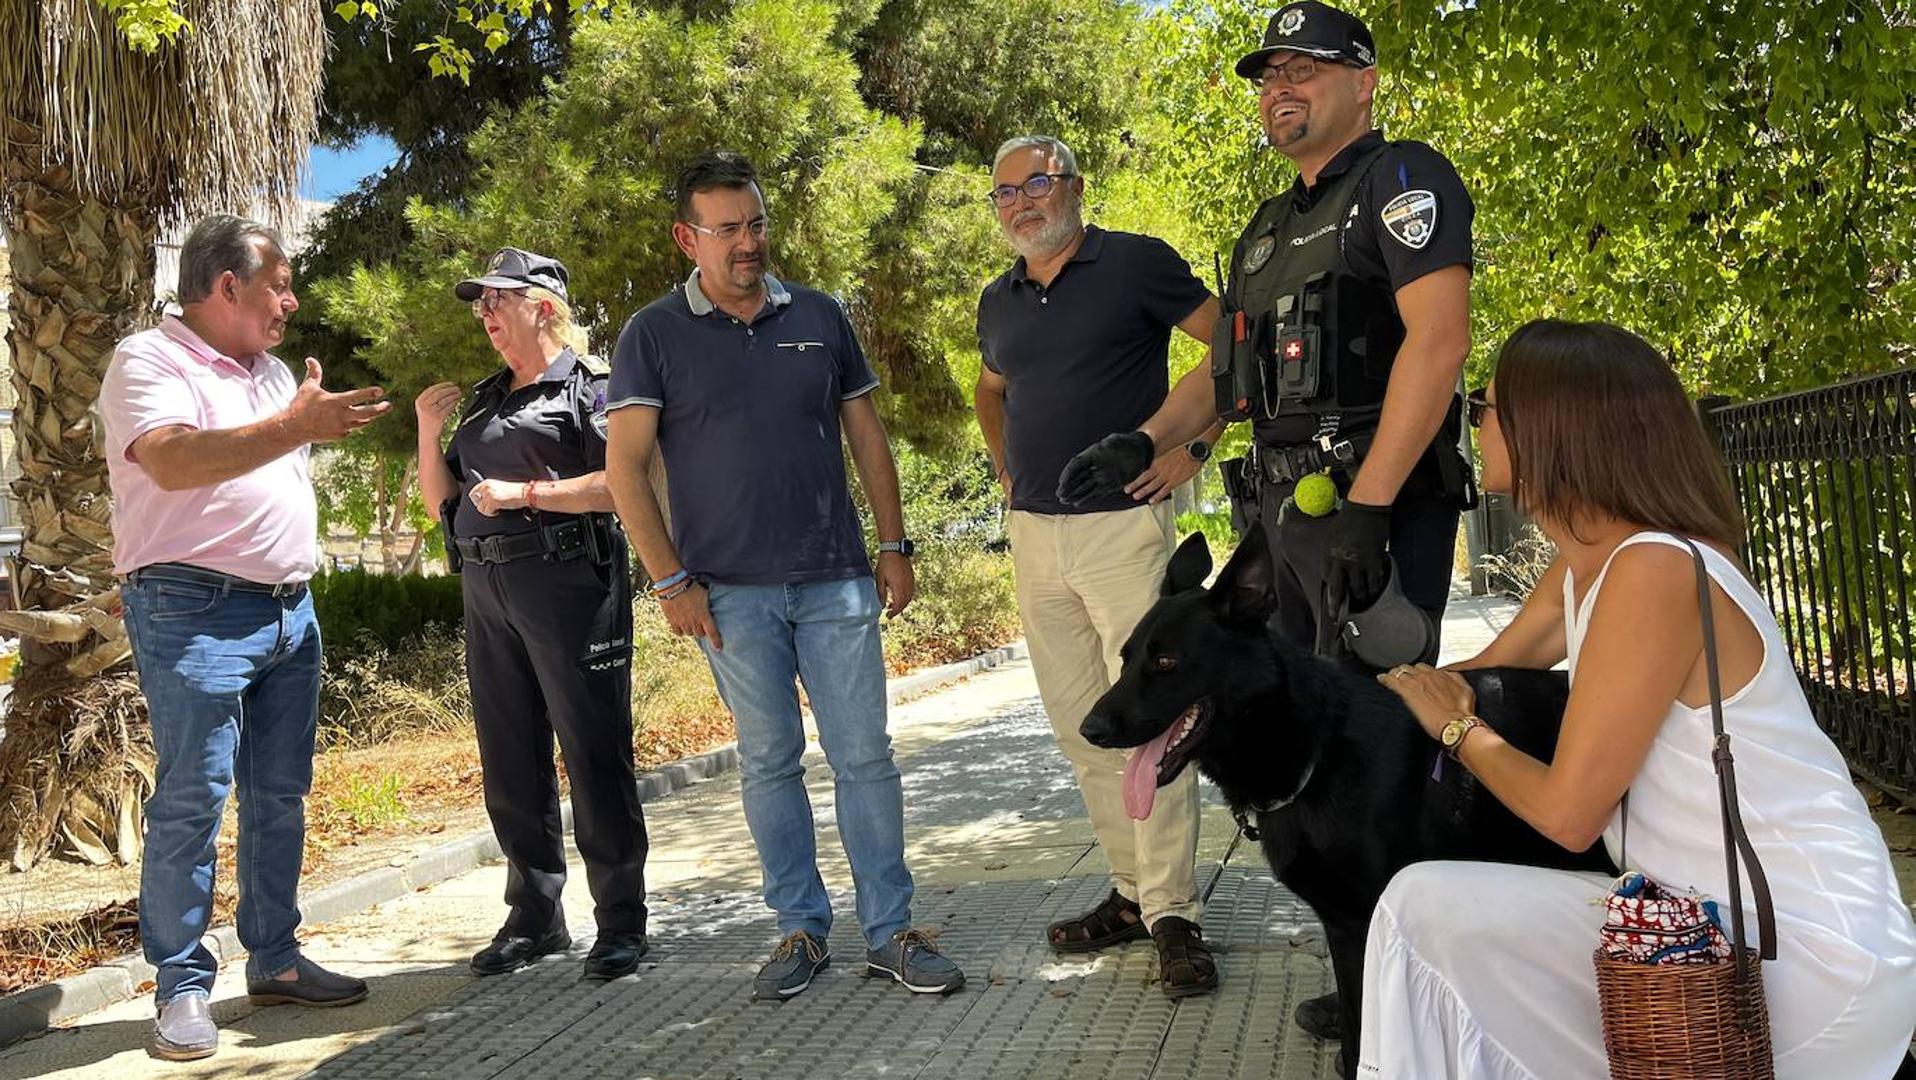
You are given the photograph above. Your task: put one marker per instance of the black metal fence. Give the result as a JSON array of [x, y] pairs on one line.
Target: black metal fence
[[1826, 478]]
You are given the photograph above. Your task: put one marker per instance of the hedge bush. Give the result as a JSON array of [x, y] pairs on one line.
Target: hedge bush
[[355, 605]]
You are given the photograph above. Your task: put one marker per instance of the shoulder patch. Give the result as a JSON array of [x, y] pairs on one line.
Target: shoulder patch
[[594, 364], [598, 418], [1411, 218]]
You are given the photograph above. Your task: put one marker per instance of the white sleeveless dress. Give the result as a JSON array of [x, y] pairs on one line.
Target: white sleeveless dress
[[1483, 970]]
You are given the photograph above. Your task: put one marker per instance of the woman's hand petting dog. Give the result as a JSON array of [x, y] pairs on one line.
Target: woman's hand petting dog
[[1436, 697]]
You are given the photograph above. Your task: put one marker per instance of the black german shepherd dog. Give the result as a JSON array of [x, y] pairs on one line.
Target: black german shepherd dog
[[1340, 779]]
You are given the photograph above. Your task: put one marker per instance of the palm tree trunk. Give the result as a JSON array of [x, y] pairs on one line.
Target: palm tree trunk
[[77, 761]]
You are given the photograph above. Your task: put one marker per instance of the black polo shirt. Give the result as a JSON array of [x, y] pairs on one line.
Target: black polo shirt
[[1084, 357], [749, 428], [553, 428]]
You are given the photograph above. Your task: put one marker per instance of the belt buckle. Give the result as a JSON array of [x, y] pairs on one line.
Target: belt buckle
[[489, 549]]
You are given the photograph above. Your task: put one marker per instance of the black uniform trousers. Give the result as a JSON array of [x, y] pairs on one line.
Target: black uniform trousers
[[548, 652], [1423, 546]]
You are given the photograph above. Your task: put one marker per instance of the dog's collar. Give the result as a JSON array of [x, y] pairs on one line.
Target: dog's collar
[[1279, 804]]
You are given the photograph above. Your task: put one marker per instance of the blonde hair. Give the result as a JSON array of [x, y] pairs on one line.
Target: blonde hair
[[561, 326]]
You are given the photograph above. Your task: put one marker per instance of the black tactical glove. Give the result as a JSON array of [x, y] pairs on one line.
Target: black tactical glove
[[1356, 565], [1103, 468]]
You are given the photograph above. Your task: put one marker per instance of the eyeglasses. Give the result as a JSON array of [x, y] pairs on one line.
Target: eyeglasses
[[490, 299], [1476, 404], [1296, 71], [732, 230], [1035, 188]]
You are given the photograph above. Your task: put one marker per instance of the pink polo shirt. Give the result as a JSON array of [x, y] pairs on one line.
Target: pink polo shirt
[[263, 526]]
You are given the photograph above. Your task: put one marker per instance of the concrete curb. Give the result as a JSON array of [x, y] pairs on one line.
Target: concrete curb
[[30, 1012]]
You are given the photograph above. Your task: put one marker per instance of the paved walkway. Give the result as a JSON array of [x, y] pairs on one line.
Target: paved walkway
[[1000, 847]]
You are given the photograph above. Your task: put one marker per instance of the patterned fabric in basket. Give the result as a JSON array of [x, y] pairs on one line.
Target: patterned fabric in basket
[[1649, 924]]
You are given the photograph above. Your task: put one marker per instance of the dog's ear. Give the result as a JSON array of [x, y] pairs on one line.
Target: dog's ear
[[1246, 591], [1189, 566]]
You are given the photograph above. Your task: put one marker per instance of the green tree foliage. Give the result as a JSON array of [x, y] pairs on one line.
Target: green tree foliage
[[585, 175], [1731, 179]]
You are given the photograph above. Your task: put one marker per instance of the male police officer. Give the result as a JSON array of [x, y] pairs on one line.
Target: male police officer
[[1346, 324]]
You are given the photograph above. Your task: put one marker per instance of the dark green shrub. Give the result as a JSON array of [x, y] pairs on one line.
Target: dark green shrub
[[355, 605]]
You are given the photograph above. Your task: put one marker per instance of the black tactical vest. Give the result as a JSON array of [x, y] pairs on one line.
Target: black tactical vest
[[1325, 338]]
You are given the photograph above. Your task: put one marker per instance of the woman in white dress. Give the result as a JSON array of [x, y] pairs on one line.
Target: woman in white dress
[[1483, 970]]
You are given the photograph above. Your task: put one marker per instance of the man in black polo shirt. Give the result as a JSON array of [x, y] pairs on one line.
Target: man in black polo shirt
[[1075, 339], [1359, 276], [746, 383]]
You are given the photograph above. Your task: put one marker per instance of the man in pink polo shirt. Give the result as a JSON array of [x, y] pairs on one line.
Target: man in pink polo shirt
[[215, 535]]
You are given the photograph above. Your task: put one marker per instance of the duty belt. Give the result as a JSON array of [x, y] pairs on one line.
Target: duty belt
[[1288, 464], [556, 541]]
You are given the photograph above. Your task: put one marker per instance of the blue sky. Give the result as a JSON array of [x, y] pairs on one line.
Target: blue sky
[[336, 172]]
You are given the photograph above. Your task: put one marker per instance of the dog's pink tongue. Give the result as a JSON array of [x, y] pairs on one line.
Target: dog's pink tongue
[[1141, 775]]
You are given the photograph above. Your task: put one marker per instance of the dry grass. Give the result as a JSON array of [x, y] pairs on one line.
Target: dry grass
[[398, 758]]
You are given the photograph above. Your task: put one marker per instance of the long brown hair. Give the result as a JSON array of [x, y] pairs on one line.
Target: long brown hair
[[1595, 421]]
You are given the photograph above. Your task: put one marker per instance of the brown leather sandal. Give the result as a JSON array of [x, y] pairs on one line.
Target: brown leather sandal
[[1185, 964], [1113, 922]]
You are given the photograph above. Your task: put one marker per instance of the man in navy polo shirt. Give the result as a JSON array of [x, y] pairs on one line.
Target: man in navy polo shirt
[[1075, 339], [745, 382]]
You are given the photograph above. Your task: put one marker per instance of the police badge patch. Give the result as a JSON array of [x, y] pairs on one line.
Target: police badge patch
[[1260, 253], [1292, 22], [1411, 218]]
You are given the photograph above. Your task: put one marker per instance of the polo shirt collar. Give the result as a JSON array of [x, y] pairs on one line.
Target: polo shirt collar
[[559, 370], [1088, 251], [775, 293], [1340, 163], [175, 327]]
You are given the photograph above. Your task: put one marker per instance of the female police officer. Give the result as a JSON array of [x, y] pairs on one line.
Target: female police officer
[[548, 614]]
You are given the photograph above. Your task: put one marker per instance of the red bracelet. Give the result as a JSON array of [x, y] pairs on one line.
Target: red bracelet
[[532, 495]]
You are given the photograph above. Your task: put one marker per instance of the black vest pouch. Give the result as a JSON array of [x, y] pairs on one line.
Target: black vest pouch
[[1236, 379]]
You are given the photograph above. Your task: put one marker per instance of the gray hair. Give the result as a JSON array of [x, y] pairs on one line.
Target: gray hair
[[218, 243], [1067, 161]]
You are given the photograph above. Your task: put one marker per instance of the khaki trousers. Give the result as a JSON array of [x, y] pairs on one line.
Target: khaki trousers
[[1084, 581]]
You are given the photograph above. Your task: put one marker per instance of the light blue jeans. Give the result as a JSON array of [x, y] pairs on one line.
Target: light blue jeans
[[231, 679], [824, 634]]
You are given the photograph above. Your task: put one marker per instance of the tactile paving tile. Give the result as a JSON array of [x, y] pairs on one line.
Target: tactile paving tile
[[1026, 1012]]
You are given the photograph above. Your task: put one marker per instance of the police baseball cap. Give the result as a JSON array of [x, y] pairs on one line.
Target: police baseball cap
[[1313, 29], [514, 268], [1391, 631]]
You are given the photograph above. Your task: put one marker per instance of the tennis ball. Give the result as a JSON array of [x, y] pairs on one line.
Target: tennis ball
[[1316, 494]]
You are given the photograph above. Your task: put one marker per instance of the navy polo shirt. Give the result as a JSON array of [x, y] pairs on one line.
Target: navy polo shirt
[[749, 427], [553, 428], [1084, 357]]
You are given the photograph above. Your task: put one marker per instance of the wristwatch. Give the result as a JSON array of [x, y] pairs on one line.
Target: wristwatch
[[1455, 731], [902, 546], [1198, 449]]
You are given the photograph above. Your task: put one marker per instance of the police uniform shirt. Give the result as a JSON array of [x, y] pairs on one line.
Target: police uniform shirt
[[1083, 357], [1412, 214], [749, 426], [553, 428]]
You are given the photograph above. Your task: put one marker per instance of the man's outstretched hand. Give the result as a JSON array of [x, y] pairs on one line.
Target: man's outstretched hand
[[1105, 467]]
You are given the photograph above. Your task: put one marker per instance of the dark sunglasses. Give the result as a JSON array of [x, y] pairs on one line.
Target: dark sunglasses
[[1475, 405]]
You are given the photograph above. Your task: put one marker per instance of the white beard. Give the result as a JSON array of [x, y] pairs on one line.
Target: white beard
[[1057, 231]]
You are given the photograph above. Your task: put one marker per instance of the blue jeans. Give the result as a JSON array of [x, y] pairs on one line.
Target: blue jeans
[[825, 634], [231, 679]]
